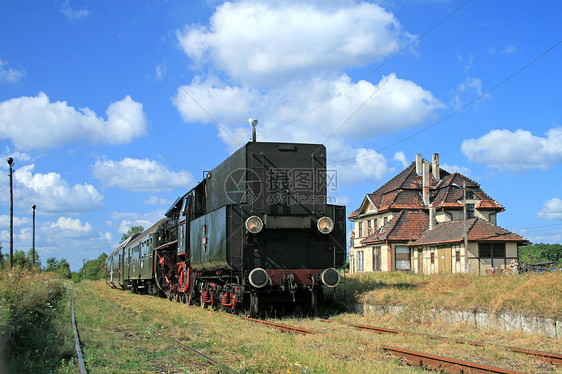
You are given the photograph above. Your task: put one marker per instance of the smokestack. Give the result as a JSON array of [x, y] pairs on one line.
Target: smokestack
[[425, 185], [432, 221], [418, 164], [435, 166]]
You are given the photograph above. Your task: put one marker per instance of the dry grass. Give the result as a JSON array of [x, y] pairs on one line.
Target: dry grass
[[240, 344], [528, 293]]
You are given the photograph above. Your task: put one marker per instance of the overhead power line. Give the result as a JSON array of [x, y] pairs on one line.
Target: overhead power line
[[374, 70], [453, 113]]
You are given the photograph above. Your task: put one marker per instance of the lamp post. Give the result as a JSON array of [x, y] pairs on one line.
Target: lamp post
[[11, 163], [33, 247]]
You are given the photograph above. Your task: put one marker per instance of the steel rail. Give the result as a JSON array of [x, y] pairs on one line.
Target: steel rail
[[279, 326], [446, 364], [433, 362], [555, 358], [81, 363]]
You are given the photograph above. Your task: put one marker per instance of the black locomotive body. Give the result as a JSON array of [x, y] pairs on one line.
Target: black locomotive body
[[257, 230]]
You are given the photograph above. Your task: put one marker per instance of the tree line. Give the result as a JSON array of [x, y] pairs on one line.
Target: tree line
[[538, 253], [91, 270]]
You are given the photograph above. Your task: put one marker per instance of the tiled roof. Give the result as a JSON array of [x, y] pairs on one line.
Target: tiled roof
[[405, 226], [478, 230], [449, 193], [404, 191]]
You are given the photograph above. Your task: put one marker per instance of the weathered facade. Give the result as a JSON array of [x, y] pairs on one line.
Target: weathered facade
[[416, 222]]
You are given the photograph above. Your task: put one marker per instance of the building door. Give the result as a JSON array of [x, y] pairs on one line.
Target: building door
[[444, 260], [402, 256]]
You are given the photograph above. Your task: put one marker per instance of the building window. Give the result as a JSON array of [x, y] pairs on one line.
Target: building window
[[385, 220], [360, 229], [491, 250], [375, 223], [469, 211], [469, 195], [377, 258], [402, 256], [369, 227], [432, 256], [458, 255], [360, 262]]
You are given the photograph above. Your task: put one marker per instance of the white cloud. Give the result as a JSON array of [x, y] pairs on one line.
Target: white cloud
[[18, 221], [8, 74], [72, 14], [51, 193], [552, 209], [17, 156], [136, 219], [456, 169], [288, 60], [401, 158], [141, 175], [364, 165], [71, 225], [266, 42], [35, 122], [396, 105], [155, 200], [517, 151]]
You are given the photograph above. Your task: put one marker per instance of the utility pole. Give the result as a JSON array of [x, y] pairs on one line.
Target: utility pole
[[11, 163], [33, 248], [465, 228]]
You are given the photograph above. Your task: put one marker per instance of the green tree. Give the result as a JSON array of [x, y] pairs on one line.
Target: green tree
[[132, 231], [60, 267], [94, 269], [23, 259], [541, 253]]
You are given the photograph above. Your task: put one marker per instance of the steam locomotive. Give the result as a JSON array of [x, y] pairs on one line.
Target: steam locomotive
[[256, 231]]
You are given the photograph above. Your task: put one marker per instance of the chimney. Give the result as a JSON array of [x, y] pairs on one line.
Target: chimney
[[435, 166], [425, 185], [418, 164], [432, 221]]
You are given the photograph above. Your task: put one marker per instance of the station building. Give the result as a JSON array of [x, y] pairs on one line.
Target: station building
[[418, 222]]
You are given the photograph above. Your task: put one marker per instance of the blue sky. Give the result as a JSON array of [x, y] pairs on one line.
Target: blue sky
[[111, 110]]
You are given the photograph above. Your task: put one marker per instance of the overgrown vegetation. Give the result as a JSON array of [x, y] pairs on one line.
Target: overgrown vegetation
[[91, 270], [538, 253], [34, 321], [529, 293]]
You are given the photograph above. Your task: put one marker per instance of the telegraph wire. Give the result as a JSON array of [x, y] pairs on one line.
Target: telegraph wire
[[194, 100], [374, 70], [453, 113], [390, 77]]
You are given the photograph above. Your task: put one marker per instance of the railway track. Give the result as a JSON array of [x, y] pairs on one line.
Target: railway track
[[224, 368], [429, 361], [411, 357], [81, 364], [555, 358]]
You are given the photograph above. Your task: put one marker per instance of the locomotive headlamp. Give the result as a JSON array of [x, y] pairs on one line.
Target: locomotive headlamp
[[325, 225], [254, 224], [330, 277], [258, 277]]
